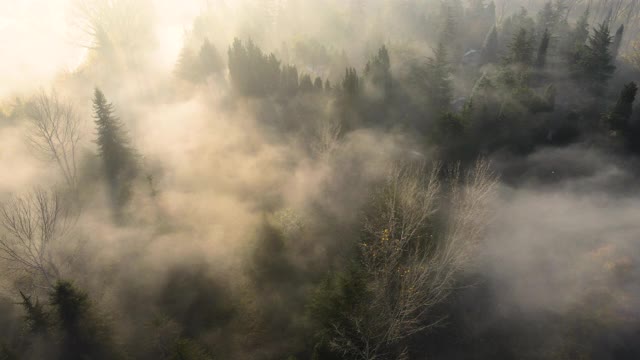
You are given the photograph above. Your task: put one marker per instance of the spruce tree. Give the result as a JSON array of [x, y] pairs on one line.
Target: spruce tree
[[83, 334], [438, 79], [521, 48], [114, 148], [209, 59], [541, 58], [378, 71], [618, 118], [36, 318], [596, 63], [490, 47]]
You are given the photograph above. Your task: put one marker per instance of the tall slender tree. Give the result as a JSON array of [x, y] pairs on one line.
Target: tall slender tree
[[596, 63], [114, 147]]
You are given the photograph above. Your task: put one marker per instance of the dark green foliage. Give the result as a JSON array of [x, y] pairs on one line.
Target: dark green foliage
[[378, 71], [197, 67], [596, 62], [351, 85], [306, 86], [6, 353], [490, 47], [253, 73], [618, 118], [436, 78], [36, 318], [335, 303], [83, 334], [521, 48], [541, 57], [289, 80], [118, 157], [185, 349], [317, 84]]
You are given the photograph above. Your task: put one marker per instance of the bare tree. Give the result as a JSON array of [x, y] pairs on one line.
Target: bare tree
[[30, 225], [410, 259], [54, 133], [327, 136]]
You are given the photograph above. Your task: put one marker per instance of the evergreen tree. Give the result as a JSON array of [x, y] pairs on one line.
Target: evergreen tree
[[596, 63], [490, 47], [521, 48], [187, 65], [209, 59], [289, 80], [83, 334], [306, 86], [576, 40], [117, 155], [351, 85], [317, 84], [438, 80], [36, 318], [618, 118], [378, 71], [541, 58], [252, 72]]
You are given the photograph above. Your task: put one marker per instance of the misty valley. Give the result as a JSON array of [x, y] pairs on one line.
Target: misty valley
[[319, 179]]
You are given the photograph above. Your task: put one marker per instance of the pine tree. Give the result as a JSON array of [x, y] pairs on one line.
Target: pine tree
[[114, 148], [541, 58], [306, 86], [209, 59], [36, 318], [618, 118], [521, 48], [438, 79], [490, 47], [351, 84], [317, 84], [187, 65], [596, 63], [83, 334], [378, 71]]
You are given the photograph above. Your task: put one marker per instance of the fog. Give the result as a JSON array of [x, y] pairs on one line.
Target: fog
[[292, 179]]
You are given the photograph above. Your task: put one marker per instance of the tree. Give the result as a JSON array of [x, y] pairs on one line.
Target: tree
[[541, 57], [618, 118], [351, 85], [118, 157], [83, 334], [252, 72], [378, 71], [407, 262], [521, 48], [36, 318], [317, 84], [54, 133], [437, 79], [32, 224], [596, 63], [306, 86], [210, 62], [490, 47], [632, 56]]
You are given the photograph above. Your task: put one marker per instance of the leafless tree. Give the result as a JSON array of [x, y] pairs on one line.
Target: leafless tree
[[29, 227], [55, 133], [327, 136], [411, 261]]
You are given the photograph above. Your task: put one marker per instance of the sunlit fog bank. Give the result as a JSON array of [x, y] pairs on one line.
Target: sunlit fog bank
[[326, 179]]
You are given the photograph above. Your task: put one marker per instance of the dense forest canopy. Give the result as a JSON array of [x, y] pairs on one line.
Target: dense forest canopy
[[293, 179]]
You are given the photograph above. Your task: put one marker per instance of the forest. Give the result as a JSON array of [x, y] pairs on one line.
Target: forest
[[319, 180]]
